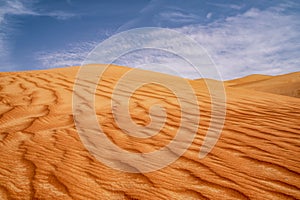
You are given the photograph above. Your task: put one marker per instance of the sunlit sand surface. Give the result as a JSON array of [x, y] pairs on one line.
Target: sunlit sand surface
[[42, 157]]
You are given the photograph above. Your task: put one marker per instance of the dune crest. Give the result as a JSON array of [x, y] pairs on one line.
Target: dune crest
[[287, 84], [42, 156]]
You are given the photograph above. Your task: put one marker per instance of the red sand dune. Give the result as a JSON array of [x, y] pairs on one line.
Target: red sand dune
[[42, 157]]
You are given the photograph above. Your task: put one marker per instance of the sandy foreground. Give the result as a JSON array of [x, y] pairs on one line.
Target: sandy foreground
[[42, 157]]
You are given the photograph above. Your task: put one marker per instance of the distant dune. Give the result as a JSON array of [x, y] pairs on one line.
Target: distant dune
[[248, 79], [288, 84], [42, 156]]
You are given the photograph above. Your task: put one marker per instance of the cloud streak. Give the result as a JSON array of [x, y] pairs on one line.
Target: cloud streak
[[74, 55], [178, 16], [257, 41], [8, 8], [264, 41], [18, 8], [232, 6]]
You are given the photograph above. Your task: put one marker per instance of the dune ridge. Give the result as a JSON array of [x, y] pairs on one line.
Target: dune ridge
[[287, 84], [42, 157]]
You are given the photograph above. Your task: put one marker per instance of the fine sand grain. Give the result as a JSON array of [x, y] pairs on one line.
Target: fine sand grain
[[42, 157]]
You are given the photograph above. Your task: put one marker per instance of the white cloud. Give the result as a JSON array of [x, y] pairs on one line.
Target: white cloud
[[61, 15], [18, 7], [155, 48], [232, 6], [258, 41], [177, 16], [208, 16], [161, 14], [8, 8], [72, 56], [15, 7], [159, 61]]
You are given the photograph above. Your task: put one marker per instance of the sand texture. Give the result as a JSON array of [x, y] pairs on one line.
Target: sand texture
[[42, 157], [287, 84]]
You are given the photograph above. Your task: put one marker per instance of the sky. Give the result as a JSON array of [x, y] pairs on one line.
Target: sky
[[242, 37]]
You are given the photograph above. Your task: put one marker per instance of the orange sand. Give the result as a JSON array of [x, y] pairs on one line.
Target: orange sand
[[42, 157]]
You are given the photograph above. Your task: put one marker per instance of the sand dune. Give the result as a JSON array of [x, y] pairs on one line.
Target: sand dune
[[42, 156], [254, 78], [287, 84]]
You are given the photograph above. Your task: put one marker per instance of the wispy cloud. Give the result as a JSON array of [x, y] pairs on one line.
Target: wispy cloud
[[208, 16], [61, 15], [18, 8], [73, 55], [177, 16], [262, 41], [232, 6], [160, 13], [265, 40], [8, 8], [257, 41], [14, 7]]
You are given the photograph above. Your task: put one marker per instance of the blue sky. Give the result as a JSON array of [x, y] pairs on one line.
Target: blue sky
[[242, 37]]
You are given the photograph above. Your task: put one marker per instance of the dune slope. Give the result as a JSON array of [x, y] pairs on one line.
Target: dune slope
[[287, 84], [42, 156]]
